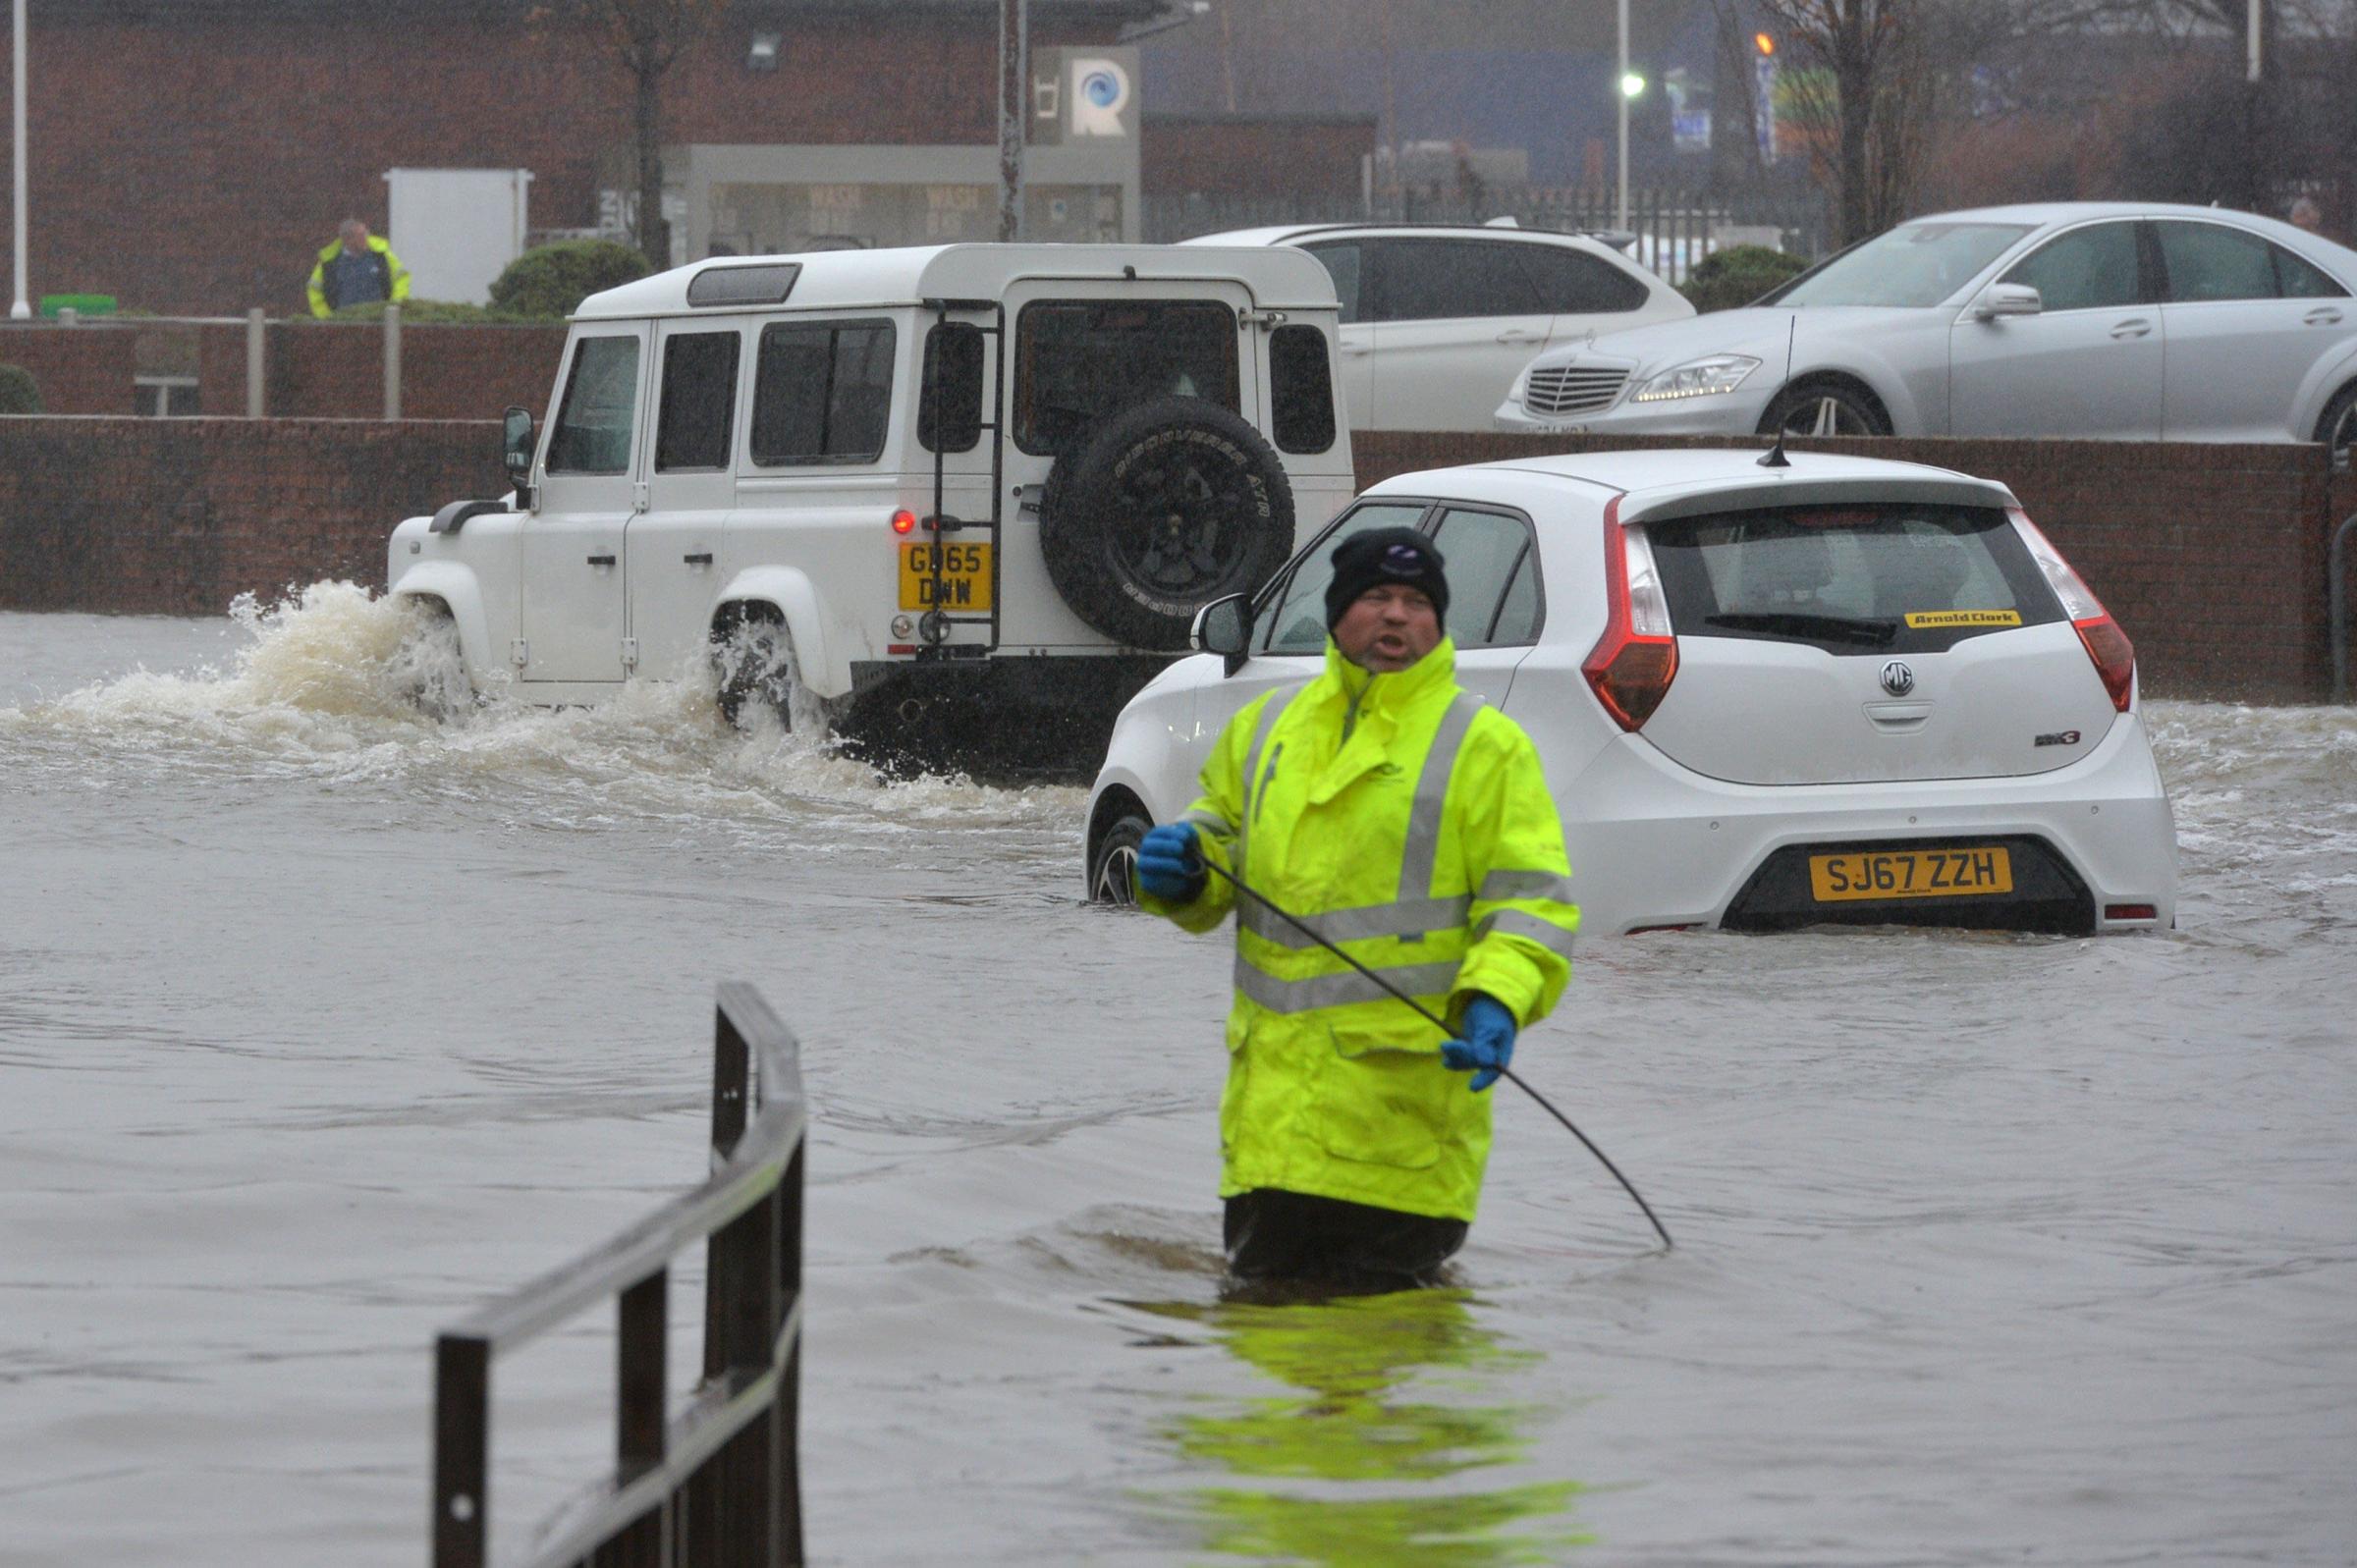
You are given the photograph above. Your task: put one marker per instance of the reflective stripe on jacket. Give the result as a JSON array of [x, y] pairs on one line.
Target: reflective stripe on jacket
[[392, 276], [1410, 824]]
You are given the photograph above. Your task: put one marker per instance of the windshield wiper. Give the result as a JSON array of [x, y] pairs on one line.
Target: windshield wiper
[[1831, 629]]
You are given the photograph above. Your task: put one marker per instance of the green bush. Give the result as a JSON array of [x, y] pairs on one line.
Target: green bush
[[19, 392], [1738, 275], [426, 311], [554, 280]]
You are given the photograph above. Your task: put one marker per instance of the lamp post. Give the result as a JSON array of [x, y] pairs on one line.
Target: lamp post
[[21, 310], [1619, 108], [1627, 85]]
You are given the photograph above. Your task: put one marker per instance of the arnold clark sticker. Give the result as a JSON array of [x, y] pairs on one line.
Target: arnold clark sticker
[[1940, 619]]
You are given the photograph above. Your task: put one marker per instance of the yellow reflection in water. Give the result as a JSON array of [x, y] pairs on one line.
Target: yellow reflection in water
[[1368, 1432]]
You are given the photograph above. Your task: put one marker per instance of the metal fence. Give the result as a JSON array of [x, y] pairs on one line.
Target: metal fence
[[1673, 229], [718, 1486]]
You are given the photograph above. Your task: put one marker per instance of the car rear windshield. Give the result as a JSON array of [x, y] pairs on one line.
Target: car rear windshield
[[1913, 264], [1078, 361], [1853, 579]]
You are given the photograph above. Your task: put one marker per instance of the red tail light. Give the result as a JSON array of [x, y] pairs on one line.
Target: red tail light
[[2114, 656], [1636, 657], [904, 521]]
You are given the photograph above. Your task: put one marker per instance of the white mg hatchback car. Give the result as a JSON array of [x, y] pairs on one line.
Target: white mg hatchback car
[[1837, 692]]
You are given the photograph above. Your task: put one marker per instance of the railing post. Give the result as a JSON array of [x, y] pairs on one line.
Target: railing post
[[2337, 598], [785, 1438], [462, 1449], [732, 1073], [392, 360], [641, 1348], [255, 337]]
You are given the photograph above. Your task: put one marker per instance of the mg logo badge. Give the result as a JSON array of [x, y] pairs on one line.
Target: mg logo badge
[[1898, 679]]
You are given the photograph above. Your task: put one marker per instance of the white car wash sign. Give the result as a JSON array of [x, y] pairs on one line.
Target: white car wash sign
[[1083, 94]]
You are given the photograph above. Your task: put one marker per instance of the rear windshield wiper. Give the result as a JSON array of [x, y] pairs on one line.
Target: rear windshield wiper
[[1831, 629]]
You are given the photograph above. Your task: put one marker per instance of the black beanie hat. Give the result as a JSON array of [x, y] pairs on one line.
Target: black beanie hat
[[1385, 555]]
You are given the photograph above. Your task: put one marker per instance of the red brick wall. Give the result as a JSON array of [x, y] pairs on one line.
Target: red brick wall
[[178, 516], [2211, 557], [317, 370], [193, 161], [1253, 155], [78, 369]]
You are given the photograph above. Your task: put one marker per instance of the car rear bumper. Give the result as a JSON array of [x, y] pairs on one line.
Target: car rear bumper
[[1017, 719], [1653, 844]]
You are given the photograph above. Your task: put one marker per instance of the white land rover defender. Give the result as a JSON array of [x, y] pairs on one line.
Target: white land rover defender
[[969, 498]]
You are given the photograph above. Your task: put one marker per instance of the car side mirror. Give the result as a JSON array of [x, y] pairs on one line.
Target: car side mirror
[[1224, 626], [517, 444], [2006, 299]]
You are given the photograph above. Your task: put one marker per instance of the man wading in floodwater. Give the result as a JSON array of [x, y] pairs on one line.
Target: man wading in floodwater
[[1401, 819]]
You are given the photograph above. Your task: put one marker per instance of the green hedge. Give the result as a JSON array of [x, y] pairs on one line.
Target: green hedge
[[19, 392], [553, 280], [413, 312], [1726, 279]]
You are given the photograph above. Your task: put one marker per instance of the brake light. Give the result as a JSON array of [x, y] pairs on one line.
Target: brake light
[[904, 521], [2114, 656], [1636, 657]]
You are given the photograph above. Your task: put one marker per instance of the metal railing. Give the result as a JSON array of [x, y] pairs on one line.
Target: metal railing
[[256, 324], [2336, 600], [718, 1486]]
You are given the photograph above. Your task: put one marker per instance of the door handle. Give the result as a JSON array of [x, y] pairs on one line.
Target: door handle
[[2321, 316], [601, 560], [1357, 349], [1516, 335], [2137, 328], [702, 557]]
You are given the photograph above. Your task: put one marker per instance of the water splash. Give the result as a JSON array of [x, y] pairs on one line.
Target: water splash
[[339, 683]]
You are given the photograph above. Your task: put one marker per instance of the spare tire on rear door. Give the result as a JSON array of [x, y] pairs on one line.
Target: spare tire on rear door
[[1165, 506]]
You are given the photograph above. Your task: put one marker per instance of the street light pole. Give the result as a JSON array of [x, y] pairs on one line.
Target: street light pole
[[1619, 109], [1014, 103], [2254, 53], [21, 310]]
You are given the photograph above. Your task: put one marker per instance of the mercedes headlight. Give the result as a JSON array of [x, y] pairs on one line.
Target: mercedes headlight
[[1699, 378]]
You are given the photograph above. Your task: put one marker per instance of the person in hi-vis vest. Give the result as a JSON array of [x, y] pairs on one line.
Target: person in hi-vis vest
[[1407, 822], [355, 268]]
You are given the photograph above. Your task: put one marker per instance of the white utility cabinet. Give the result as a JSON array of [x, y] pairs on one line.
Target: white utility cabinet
[[456, 229]]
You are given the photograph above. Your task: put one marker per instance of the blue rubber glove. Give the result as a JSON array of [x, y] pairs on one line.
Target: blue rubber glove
[[1169, 862], [1488, 1046]]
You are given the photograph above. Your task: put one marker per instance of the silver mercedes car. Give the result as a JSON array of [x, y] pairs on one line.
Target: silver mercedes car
[[2125, 320]]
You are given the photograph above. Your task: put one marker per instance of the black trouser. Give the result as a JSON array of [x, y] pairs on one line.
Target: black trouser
[[1274, 1234]]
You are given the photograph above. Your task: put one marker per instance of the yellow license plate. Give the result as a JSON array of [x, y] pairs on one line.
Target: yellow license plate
[[965, 578], [1910, 874]]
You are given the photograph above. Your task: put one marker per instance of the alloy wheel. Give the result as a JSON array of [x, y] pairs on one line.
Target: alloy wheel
[[1825, 415], [1116, 877]]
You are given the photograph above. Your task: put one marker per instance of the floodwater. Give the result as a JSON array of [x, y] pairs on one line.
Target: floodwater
[[321, 1023]]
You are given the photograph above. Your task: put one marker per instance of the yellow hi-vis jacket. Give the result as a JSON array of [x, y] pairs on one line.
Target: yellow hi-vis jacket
[[397, 276], [1410, 824]]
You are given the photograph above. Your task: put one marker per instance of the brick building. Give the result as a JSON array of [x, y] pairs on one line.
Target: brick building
[[191, 156]]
